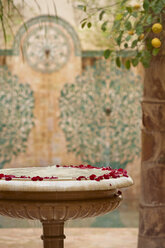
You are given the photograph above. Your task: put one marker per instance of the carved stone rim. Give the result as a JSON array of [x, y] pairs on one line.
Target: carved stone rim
[[56, 196]]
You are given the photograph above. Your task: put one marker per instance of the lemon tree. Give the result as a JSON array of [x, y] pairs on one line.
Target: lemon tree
[[134, 28]]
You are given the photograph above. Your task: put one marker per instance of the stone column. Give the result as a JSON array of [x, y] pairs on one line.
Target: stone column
[[152, 202]]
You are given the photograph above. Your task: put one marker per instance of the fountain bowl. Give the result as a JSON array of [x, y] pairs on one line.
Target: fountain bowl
[[54, 208]]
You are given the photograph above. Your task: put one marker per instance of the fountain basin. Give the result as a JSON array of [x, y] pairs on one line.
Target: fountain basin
[[58, 205], [60, 194], [54, 208]]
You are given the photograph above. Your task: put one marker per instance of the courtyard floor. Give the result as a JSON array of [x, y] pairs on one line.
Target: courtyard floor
[[76, 237]]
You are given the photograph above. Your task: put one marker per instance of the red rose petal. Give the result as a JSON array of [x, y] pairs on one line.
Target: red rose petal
[[53, 177], [81, 178], [106, 176], [40, 178], [97, 179], [34, 178], [7, 178], [92, 177]]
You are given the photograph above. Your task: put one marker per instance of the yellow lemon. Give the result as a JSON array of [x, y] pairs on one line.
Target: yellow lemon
[[137, 6], [157, 28], [141, 37], [131, 32], [156, 43]]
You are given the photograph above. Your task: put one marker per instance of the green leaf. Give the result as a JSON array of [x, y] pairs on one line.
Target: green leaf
[[119, 38], [101, 15], [135, 61], [139, 29], [103, 26], [157, 8], [89, 25], [83, 24], [81, 7], [147, 53], [134, 43], [118, 62], [139, 54], [116, 24], [146, 5], [155, 51], [107, 53], [149, 19], [148, 44], [134, 14], [128, 38], [129, 9], [128, 64], [145, 63], [126, 45], [146, 58], [128, 25]]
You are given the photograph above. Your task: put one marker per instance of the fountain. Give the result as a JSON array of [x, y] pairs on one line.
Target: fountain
[[56, 200]]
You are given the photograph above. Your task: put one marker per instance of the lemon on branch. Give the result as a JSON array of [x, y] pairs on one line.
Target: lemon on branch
[[131, 32], [141, 37], [157, 28], [156, 43], [137, 6]]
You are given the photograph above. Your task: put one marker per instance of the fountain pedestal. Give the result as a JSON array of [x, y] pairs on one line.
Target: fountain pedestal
[[53, 234], [54, 208]]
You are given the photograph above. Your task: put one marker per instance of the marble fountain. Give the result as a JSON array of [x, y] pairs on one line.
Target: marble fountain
[[56, 194]]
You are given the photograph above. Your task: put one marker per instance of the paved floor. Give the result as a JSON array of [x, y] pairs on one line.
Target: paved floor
[[76, 238]]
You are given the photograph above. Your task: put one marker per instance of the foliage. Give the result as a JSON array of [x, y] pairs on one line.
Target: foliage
[[8, 12], [129, 26], [11, 14], [100, 115], [90, 37]]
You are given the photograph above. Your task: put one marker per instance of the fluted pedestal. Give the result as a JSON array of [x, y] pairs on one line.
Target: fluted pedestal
[[53, 234]]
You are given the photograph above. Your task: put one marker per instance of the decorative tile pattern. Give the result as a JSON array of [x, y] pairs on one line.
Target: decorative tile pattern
[[40, 21], [46, 48], [101, 115], [16, 115]]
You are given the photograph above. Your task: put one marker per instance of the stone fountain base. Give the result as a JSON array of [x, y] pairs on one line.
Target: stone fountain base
[[54, 208]]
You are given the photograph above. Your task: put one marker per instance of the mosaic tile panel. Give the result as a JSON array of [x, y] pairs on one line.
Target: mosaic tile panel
[[16, 115], [100, 115]]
